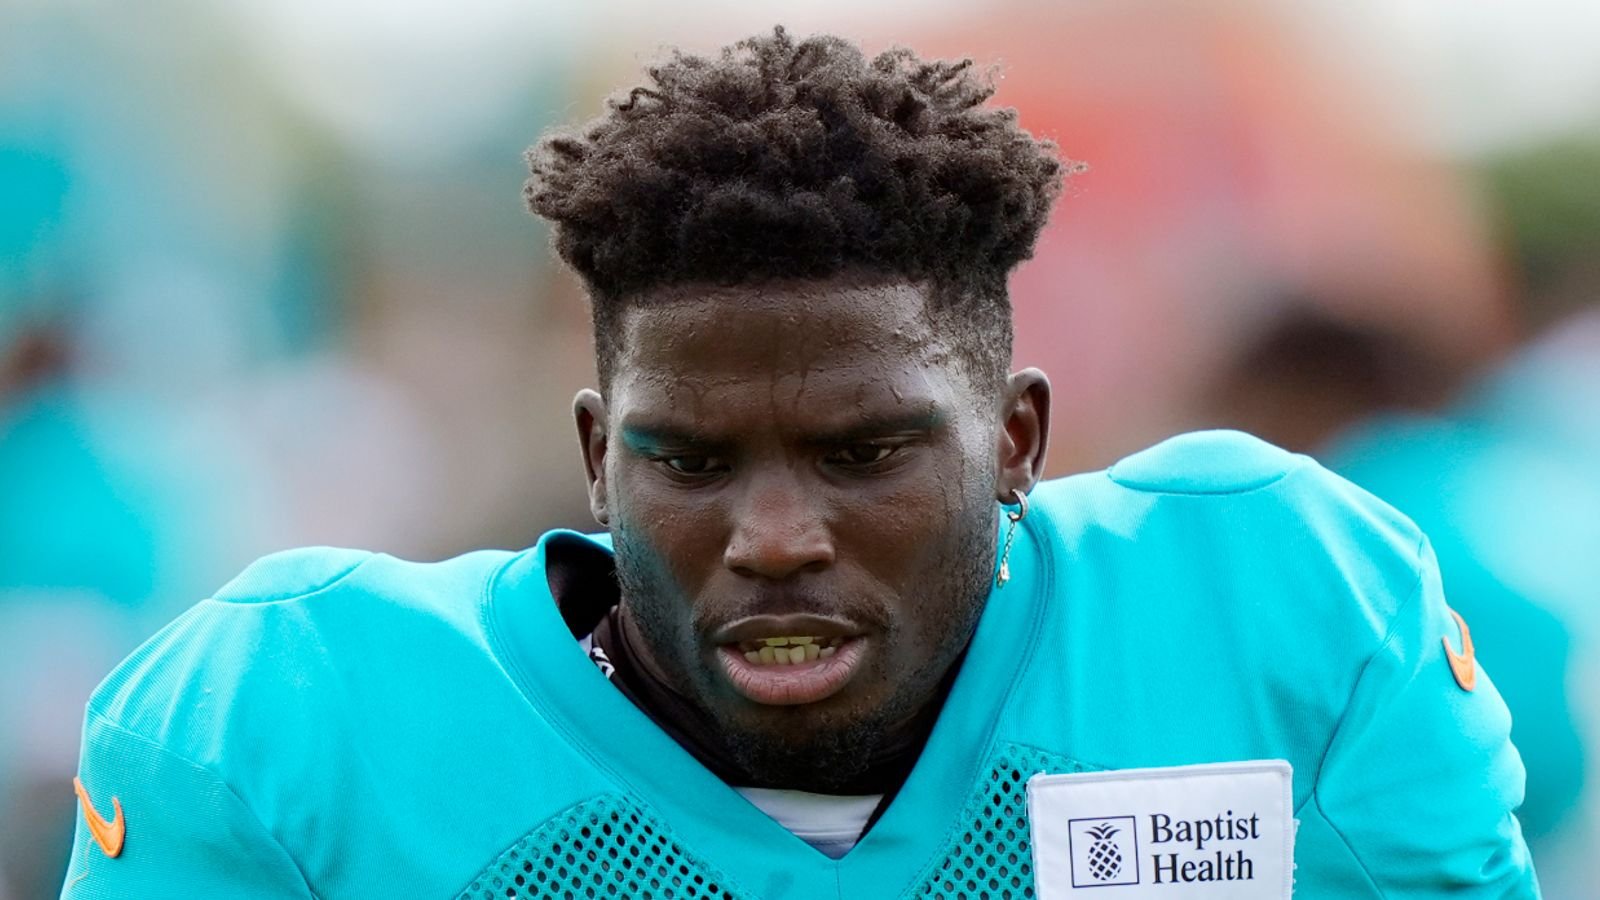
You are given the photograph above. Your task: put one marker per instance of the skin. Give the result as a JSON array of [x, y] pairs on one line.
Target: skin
[[805, 447]]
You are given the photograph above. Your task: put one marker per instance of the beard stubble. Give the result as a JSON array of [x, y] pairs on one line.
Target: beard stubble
[[821, 747]]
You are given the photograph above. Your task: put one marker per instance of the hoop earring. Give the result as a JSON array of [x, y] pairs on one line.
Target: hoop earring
[[1004, 575]]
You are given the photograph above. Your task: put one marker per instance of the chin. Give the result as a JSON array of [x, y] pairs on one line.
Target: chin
[[802, 755]]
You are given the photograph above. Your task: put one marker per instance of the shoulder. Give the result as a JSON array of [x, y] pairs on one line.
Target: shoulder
[[1242, 524], [1234, 475], [1233, 591], [265, 647], [1206, 463], [291, 574]]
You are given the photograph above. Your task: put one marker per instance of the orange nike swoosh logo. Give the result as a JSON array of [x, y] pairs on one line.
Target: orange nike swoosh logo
[[108, 835], [1463, 665]]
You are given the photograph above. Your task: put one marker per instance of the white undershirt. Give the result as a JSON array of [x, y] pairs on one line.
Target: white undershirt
[[830, 823]]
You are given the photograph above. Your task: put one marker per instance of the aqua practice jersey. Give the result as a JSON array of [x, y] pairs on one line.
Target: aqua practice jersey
[[339, 724]]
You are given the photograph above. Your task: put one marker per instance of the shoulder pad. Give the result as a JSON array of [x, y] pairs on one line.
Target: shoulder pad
[[290, 573], [1205, 462]]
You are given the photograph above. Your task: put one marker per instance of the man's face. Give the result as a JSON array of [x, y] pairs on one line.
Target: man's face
[[800, 481]]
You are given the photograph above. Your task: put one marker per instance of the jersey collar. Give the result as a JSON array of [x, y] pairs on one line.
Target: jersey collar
[[539, 650]]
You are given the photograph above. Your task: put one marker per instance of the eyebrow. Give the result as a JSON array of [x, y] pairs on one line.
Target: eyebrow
[[904, 423], [662, 434], [648, 435]]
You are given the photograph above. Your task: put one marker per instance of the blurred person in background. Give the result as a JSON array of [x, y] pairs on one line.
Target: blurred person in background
[[1506, 480], [90, 513], [169, 349], [1240, 170]]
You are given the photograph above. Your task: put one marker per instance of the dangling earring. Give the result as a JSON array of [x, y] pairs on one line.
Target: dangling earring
[[1011, 535]]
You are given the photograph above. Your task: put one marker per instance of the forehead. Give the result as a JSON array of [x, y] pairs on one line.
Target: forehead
[[818, 348]]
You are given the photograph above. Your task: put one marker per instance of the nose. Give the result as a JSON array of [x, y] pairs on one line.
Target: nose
[[779, 531]]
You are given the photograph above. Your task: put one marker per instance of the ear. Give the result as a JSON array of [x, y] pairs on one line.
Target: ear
[[589, 413], [1024, 433]]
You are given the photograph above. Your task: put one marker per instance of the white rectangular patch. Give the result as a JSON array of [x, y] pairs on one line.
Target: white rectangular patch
[[1222, 830]]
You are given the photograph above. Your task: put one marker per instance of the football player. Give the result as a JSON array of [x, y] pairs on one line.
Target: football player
[[837, 639]]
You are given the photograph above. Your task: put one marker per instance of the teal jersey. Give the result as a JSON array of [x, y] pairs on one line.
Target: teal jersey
[[1513, 528], [338, 724]]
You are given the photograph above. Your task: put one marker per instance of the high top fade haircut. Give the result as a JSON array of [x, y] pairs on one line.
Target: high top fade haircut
[[784, 159]]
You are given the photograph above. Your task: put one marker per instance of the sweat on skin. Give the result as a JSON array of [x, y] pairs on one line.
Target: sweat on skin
[[811, 460]]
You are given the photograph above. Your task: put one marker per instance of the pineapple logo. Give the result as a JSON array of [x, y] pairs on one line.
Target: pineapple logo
[[1105, 857], [1105, 851]]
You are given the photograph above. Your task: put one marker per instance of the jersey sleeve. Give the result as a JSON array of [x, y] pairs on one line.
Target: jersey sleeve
[[1418, 790], [183, 832], [202, 738]]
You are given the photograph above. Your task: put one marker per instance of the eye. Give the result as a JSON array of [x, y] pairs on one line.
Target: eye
[[692, 465], [862, 454]]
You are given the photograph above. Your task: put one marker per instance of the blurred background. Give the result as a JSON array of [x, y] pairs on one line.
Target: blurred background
[[266, 280]]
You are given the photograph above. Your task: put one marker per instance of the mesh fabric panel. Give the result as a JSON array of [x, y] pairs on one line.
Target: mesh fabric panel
[[991, 856], [607, 847], [610, 847]]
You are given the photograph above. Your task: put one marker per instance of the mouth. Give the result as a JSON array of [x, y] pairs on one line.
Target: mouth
[[780, 662]]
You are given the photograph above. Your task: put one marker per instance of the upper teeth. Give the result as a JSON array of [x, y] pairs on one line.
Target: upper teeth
[[788, 650]]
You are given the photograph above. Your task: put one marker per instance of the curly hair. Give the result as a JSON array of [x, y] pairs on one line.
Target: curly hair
[[782, 159]]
